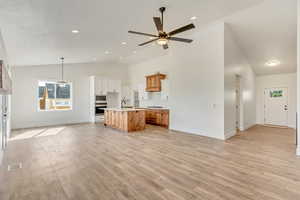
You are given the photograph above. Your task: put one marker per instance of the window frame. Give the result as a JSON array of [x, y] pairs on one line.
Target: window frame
[[54, 82]]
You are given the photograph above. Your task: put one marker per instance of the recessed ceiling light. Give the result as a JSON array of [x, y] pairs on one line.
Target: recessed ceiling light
[[124, 43], [121, 57], [193, 18], [75, 31], [107, 52], [134, 52], [273, 63]]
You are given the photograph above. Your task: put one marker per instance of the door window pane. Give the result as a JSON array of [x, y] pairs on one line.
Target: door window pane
[[276, 93]]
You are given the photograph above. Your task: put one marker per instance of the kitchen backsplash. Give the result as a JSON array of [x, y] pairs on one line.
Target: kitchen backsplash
[[154, 100]]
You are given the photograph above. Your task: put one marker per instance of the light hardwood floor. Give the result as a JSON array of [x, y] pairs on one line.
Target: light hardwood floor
[[90, 162]]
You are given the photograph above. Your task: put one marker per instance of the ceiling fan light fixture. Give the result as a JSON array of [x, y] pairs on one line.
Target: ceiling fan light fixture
[[162, 41]]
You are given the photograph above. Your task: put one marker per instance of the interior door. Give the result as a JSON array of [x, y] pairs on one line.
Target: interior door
[[4, 120], [2, 136], [276, 106]]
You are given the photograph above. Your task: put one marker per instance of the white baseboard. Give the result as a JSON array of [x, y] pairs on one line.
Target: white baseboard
[[49, 125], [192, 132], [229, 134], [298, 150], [246, 127]]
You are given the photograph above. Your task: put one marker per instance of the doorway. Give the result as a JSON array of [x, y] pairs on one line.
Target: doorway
[[276, 106], [4, 121]]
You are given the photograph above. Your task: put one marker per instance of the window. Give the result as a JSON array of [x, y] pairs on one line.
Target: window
[[54, 96], [276, 93]]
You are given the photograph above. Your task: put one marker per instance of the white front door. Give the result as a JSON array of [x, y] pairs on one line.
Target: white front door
[[276, 106]]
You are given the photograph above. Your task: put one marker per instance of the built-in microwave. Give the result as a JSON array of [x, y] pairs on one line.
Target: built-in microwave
[[101, 98], [100, 104]]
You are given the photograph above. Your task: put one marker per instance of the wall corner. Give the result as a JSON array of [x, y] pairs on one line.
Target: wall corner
[[298, 150]]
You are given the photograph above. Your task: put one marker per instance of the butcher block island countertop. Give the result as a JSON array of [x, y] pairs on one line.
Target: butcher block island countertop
[[125, 119]]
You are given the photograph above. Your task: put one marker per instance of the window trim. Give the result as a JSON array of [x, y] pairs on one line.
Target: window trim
[[55, 82]]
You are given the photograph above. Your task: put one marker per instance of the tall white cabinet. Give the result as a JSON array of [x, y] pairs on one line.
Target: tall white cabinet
[[110, 88]]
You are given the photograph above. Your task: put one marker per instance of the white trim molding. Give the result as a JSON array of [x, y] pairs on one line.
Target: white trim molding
[[229, 134], [298, 150]]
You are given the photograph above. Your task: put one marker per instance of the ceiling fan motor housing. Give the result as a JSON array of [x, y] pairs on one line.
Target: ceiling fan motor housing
[[162, 9]]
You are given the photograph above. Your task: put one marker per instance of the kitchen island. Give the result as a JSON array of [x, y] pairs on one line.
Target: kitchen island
[[125, 119]]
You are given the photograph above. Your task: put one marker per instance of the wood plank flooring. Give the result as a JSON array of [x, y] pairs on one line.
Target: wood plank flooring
[[90, 162]]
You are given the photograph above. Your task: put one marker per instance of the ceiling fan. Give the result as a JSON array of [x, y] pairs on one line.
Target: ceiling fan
[[163, 37]]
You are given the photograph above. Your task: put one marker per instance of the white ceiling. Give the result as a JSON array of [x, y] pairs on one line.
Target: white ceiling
[[268, 31], [38, 32]]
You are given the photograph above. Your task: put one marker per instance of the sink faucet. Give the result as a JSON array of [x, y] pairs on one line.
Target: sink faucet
[[123, 102]]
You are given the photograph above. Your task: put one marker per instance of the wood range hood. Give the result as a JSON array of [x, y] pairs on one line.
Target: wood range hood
[[153, 82]]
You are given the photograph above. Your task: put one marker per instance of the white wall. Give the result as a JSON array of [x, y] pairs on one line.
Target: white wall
[[3, 56], [298, 77], [237, 64], [196, 75], [24, 99], [273, 81]]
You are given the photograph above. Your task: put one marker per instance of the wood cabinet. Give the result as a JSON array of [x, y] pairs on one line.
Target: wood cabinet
[[154, 82], [127, 120], [158, 117]]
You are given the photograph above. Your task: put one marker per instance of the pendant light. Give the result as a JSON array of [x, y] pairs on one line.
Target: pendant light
[[62, 82]]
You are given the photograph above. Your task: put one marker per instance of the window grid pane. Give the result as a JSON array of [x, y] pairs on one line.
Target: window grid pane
[[54, 96]]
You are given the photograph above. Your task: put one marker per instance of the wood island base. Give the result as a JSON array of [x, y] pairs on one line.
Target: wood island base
[[128, 120]]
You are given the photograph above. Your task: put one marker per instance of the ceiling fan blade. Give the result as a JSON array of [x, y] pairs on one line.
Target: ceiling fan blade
[[148, 42], [165, 46], [180, 39], [182, 29], [158, 24], [140, 33]]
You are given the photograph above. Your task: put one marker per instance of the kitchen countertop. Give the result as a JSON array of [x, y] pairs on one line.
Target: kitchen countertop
[[125, 109], [155, 108]]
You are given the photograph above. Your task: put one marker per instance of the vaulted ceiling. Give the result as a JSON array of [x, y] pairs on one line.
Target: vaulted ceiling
[[268, 31], [38, 32]]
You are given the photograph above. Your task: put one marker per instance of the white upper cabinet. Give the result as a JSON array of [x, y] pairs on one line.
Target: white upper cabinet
[[114, 86], [165, 89], [111, 85], [118, 87], [103, 86], [98, 89]]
